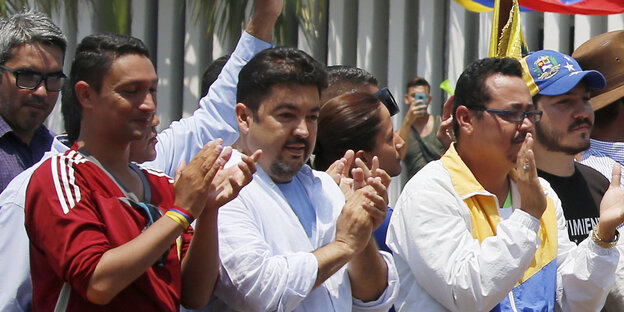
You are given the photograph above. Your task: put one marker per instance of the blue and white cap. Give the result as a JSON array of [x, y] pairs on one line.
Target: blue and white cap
[[549, 72]]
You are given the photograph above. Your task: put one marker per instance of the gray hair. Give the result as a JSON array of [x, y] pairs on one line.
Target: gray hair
[[28, 26]]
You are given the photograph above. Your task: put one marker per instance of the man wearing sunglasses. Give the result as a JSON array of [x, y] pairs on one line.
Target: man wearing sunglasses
[[479, 231], [32, 51]]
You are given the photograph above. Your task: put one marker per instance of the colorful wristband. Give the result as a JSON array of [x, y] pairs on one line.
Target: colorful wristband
[[184, 211], [183, 214], [178, 218]]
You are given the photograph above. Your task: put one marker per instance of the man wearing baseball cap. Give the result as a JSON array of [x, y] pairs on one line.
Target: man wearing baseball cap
[[605, 53], [560, 89]]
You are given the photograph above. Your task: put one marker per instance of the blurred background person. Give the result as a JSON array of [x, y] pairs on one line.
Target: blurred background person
[[419, 129]]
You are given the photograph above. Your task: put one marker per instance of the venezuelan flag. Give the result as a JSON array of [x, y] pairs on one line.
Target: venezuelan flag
[[586, 7], [481, 5]]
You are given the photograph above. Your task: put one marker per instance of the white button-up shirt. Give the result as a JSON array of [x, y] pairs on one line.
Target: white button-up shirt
[[266, 255]]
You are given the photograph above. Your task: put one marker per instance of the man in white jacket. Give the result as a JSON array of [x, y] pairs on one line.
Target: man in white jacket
[[290, 240], [479, 231]]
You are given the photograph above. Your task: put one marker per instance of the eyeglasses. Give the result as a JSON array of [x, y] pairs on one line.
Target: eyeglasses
[[387, 99], [30, 80], [513, 115]]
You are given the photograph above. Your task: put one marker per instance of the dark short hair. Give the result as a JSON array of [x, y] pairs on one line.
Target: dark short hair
[[471, 90], [94, 56], [28, 27], [349, 121], [343, 79], [281, 65], [418, 81], [211, 73]]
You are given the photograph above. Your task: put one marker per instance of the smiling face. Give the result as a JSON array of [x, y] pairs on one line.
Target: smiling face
[[566, 122], [499, 139], [125, 105], [25, 110], [284, 127]]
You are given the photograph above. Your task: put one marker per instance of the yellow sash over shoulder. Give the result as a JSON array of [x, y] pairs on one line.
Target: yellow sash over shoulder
[[484, 212]]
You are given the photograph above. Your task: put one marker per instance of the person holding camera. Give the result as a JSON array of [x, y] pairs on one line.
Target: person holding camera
[[419, 128]]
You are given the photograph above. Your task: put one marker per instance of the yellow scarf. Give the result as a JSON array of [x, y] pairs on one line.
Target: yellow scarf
[[484, 212]]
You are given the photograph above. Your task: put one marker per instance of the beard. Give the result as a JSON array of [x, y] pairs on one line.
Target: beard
[[551, 139], [286, 169]]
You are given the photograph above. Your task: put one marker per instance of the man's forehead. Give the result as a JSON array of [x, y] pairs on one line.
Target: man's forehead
[[28, 54], [506, 85], [288, 106], [510, 90], [293, 96], [418, 87], [130, 68]]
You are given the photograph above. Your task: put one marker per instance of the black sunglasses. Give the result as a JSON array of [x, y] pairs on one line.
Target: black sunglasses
[[387, 99]]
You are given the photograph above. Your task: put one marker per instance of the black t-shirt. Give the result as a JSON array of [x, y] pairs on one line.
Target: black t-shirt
[[580, 196]]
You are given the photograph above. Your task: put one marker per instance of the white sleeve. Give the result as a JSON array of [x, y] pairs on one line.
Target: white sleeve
[[252, 277], [585, 272], [215, 117], [615, 299], [430, 231], [388, 297], [15, 284]]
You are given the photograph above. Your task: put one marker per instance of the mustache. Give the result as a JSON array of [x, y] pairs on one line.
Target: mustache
[[35, 100], [579, 122], [297, 140]]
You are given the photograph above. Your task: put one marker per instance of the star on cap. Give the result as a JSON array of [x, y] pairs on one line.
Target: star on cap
[[569, 67]]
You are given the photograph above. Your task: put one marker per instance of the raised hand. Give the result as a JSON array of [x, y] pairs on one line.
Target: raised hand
[[374, 171], [612, 206], [192, 182], [417, 108], [445, 133], [529, 187], [339, 171], [355, 223], [264, 16], [378, 205], [228, 182]]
